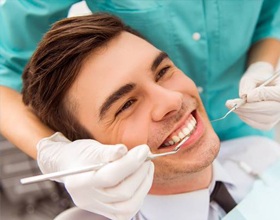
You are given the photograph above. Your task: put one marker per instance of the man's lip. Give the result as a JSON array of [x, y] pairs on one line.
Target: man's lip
[[193, 138], [177, 126]]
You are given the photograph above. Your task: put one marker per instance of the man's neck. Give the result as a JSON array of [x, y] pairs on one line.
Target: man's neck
[[188, 183]]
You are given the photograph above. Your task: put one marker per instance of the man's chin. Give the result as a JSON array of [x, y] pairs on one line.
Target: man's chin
[[190, 161]]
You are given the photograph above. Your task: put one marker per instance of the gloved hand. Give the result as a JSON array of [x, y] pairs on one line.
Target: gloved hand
[[116, 191], [262, 109]]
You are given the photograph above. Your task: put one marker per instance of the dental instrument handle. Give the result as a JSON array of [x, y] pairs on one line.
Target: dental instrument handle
[[270, 79], [265, 83], [63, 173], [68, 172], [49, 176]]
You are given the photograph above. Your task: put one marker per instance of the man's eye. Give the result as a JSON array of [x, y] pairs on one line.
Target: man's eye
[[127, 105], [161, 73]]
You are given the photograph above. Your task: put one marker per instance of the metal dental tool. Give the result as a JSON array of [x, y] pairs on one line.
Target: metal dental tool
[[175, 150], [243, 101], [39, 178]]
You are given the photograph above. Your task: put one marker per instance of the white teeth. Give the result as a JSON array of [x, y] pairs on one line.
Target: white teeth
[[190, 126], [186, 131], [181, 135], [171, 142], [176, 138], [193, 122]]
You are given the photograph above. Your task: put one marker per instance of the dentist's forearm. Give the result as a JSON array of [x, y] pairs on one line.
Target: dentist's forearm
[[266, 50], [19, 124]]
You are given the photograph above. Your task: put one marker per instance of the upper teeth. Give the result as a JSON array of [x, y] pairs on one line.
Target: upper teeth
[[186, 130]]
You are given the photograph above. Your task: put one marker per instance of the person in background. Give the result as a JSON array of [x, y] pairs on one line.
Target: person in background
[[66, 79], [214, 42]]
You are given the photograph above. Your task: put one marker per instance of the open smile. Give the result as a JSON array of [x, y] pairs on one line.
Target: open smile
[[183, 131]]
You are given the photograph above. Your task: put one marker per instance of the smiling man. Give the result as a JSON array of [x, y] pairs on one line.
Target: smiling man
[[134, 88], [93, 77]]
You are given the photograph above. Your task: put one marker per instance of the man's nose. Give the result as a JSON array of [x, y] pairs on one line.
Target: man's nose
[[165, 103]]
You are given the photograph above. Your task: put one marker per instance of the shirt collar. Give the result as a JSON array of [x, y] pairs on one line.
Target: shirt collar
[[220, 174], [178, 206]]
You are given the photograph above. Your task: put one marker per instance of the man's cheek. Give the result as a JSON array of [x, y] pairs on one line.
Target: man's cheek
[[134, 133]]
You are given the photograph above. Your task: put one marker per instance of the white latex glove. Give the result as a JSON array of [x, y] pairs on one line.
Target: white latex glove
[[116, 191], [262, 109]]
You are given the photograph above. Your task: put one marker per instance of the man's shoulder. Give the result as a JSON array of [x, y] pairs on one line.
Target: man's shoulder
[[249, 143], [257, 151]]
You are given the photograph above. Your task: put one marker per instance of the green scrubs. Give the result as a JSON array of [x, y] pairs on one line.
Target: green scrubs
[[207, 39]]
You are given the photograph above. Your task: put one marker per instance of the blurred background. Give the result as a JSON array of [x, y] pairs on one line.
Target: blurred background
[[37, 201]]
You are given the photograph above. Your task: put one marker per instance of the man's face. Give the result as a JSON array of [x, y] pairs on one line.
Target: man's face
[[130, 92]]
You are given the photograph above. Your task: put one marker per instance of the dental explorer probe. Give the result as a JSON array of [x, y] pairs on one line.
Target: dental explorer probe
[[243, 100], [94, 167]]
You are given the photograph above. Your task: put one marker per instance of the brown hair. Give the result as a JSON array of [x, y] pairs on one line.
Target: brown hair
[[57, 61]]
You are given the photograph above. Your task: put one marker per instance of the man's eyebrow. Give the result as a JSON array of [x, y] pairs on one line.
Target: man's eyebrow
[[122, 91], [115, 96], [162, 55]]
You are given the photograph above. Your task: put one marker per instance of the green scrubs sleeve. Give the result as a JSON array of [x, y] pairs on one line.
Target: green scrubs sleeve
[[268, 25], [23, 23]]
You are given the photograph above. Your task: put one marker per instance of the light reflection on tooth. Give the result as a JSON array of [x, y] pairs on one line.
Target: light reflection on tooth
[[186, 131], [193, 121], [171, 142], [190, 126], [181, 135], [193, 124], [175, 139]]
